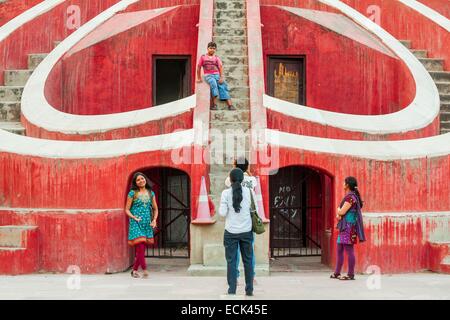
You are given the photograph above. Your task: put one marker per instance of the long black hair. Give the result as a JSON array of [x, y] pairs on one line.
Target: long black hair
[[353, 186], [147, 182], [236, 178]]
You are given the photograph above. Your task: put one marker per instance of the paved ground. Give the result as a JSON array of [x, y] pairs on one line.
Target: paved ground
[[290, 279]]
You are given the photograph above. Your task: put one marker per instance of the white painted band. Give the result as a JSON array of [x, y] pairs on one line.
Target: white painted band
[[420, 113], [426, 11], [36, 109], [18, 144], [434, 146], [25, 17]]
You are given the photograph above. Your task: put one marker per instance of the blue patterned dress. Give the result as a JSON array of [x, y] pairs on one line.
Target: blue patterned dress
[[348, 234], [142, 208]]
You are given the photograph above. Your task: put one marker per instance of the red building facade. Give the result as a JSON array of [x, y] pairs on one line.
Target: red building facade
[[327, 93]]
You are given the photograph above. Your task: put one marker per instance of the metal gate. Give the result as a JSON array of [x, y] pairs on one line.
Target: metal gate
[[173, 198], [294, 224]]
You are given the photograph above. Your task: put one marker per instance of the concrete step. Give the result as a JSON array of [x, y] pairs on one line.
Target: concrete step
[[445, 116], [12, 236], [230, 23], [232, 51], [443, 86], [445, 98], [243, 59], [224, 41], [13, 127], [229, 14], [220, 169], [19, 249], [420, 53], [226, 159], [230, 116], [17, 77], [440, 75], [229, 5], [445, 130], [238, 103], [432, 64], [10, 111], [239, 92], [11, 93], [229, 32], [406, 43], [34, 59], [230, 125], [236, 82], [445, 107], [235, 70]]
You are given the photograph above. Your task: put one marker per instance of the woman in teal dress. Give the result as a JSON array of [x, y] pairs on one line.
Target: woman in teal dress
[[142, 209]]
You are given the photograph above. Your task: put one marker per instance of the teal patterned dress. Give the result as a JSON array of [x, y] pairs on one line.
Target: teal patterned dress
[[142, 208]]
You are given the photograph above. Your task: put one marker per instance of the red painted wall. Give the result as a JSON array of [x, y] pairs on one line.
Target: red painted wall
[[51, 26], [441, 6], [341, 75], [116, 75], [278, 121], [395, 16], [418, 185], [12, 8], [93, 241]]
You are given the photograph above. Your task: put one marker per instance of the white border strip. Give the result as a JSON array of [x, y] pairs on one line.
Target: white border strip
[[434, 146], [16, 144], [27, 16], [428, 12], [36, 109], [421, 112]]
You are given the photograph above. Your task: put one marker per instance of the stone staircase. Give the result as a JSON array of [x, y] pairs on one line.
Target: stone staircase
[[229, 129], [435, 67], [230, 35], [19, 249], [11, 93]]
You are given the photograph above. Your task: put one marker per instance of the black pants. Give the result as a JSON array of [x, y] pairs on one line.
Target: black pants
[[231, 241]]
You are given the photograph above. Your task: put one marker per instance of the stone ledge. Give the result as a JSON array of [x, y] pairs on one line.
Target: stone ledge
[[221, 271]]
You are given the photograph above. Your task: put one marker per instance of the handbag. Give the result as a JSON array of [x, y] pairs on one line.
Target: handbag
[[257, 224]]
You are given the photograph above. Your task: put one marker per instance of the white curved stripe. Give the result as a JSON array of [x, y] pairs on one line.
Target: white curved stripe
[[16, 144], [426, 11], [27, 16], [36, 109], [434, 146], [420, 113]]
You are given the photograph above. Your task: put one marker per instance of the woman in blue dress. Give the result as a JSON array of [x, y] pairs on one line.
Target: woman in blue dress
[[350, 227], [142, 210]]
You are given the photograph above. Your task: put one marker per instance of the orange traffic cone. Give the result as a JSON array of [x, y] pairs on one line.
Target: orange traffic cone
[[259, 201], [203, 211]]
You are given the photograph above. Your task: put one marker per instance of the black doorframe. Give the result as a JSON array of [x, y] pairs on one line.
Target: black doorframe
[[187, 73], [271, 59], [163, 232], [290, 237]]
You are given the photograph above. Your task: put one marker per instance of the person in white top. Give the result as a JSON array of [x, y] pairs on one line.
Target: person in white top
[[235, 204], [250, 182]]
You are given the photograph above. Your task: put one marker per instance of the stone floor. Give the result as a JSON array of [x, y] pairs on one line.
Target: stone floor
[[291, 278]]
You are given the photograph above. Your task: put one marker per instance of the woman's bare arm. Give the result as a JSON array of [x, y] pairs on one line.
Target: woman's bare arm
[[155, 213], [128, 207]]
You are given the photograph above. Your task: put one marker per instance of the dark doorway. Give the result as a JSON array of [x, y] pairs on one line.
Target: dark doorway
[[286, 78], [171, 79], [298, 212], [172, 191]]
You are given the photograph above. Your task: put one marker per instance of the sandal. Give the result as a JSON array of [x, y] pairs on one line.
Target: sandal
[[145, 275], [232, 108], [335, 275], [135, 274], [347, 278], [214, 107]]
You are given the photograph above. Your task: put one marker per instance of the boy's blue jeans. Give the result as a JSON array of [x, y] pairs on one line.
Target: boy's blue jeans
[[217, 89], [253, 259], [231, 242]]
